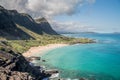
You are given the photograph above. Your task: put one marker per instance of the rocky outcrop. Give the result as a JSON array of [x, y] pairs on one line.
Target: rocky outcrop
[[13, 66], [6, 74], [9, 19]]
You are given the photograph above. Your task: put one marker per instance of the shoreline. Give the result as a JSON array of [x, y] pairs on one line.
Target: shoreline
[[33, 51]]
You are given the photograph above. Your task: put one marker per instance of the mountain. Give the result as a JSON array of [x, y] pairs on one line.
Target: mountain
[[15, 25], [45, 26]]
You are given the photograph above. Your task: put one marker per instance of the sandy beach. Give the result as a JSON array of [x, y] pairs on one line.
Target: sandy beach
[[41, 49]]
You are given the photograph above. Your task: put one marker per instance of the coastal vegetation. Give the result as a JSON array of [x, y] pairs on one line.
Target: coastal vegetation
[[23, 45]]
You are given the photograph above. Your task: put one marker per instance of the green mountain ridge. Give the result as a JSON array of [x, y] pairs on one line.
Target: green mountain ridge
[[12, 25]]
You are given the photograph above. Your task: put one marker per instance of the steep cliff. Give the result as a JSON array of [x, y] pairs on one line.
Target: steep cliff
[[11, 19], [13, 66]]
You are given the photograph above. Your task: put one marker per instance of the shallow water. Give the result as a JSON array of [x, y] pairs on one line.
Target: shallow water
[[100, 61]]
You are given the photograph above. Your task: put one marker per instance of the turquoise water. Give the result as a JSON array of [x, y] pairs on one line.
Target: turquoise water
[[100, 60]]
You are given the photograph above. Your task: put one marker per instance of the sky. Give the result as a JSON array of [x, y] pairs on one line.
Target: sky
[[102, 16], [72, 15]]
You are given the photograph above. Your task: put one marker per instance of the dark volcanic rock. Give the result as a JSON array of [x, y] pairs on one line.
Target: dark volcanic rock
[[6, 74], [13, 66]]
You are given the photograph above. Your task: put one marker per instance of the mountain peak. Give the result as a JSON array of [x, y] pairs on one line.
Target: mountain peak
[[39, 20], [1, 7]]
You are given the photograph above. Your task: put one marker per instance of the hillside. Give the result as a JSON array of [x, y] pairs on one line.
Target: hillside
[[21, 26], [18, 33]]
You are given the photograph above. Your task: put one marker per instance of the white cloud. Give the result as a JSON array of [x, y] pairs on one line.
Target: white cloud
[[53, 7], [91, 1], [71, 26], [19, 5], [47, 8]]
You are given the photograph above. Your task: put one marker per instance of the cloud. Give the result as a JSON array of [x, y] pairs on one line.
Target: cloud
[[91, 1], [71, 26], [19, 5], [53, 7], [46, 8]]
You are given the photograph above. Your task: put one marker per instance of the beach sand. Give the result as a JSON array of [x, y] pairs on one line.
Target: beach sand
[[33, 51]]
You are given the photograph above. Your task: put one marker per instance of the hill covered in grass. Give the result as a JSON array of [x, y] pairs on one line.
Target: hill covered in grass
[[21, 26]]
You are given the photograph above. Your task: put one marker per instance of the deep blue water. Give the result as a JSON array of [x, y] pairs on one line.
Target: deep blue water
[[100, 60]]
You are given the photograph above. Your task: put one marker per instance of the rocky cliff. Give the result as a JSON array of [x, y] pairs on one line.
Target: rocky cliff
[[11, 19], [13, 66]]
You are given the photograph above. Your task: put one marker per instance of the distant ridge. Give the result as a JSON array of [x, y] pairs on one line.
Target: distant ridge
[[45, 26], [13, 25]]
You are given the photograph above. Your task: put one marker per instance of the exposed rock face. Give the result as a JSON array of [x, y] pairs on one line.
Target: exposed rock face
[[9, 29], [13, 66], [6, 74]]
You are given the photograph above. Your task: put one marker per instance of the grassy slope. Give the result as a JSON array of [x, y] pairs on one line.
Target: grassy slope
[[23, 45], [40, 40]]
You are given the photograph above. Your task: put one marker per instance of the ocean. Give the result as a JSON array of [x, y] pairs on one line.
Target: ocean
[[96, 61]]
